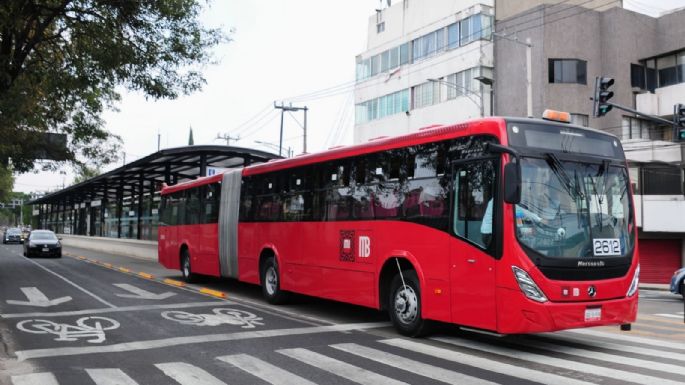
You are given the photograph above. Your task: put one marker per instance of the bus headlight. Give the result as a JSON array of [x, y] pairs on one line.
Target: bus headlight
[[636, 282], [528, 286]]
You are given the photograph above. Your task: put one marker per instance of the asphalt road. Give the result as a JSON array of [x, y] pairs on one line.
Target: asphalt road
[[77, 321]]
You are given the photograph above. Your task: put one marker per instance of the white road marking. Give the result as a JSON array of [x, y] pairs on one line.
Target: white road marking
[[37, 298], [206, 338], [658, 353], [139, 293], [110, 377], [35, 379], [617, 359], [127, 309], [620, 375], [187, 374], [671, 315], [430, 371], [264, 370], [339, 368], [484, 363], [628, 338], [72, 283]]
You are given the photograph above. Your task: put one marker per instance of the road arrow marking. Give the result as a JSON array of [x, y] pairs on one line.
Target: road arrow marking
[[37, 298], [140, 293]]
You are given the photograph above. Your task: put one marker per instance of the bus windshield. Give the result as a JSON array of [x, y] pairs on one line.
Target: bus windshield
[[573, 209]]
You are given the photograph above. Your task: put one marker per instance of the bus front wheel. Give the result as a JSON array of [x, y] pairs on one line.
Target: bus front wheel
[[186, 269], [405, 304], [271, 282]]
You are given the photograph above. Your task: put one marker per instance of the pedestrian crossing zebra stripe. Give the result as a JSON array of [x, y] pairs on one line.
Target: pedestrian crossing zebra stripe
[[623, 348], [45, 378], [264, 370], [557, 362], [628, 338], [640, 363], [187, 374], [339, 368], [110, 377], [482, 363], [399, 362]]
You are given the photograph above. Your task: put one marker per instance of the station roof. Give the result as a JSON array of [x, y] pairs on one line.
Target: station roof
[[172, 165]]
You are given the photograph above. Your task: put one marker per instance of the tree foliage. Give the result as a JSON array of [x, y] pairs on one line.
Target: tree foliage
[[62, 61], [6, 183]]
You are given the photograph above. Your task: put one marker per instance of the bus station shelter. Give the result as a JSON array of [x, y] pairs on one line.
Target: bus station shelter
[[124, 202]]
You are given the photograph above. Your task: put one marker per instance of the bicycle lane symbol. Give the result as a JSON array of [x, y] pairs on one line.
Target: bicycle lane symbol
[[86, 327], [221, 316]]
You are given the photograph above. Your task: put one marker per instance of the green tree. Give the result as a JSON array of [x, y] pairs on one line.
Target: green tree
[[6, 183], [61, 62], [85, 172]]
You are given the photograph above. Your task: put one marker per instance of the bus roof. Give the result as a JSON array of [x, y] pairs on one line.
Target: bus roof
[[494, 126]]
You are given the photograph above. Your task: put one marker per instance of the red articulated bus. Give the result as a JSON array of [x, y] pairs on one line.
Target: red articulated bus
[[502, 224]]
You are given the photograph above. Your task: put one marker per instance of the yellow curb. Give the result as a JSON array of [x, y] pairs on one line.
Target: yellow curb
[[174, 282], [215, 293], [107, 265], [146, 275], [81, 257], [125, 270]]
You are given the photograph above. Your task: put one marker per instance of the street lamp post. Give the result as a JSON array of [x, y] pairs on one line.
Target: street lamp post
[[489, 82], [276, 147]]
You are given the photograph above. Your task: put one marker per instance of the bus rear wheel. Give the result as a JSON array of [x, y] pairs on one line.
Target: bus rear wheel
[[271, 282], [186, 269], [405, 305]]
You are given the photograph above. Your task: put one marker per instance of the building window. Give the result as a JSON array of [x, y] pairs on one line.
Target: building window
[[463, 83], [634, 173], [425, 94], [637, 76], [636, 128], [662, 181], [380, 27], [381, 107], [567, 71], [453, 36], [580, 120], [668, 74], [650, 74]]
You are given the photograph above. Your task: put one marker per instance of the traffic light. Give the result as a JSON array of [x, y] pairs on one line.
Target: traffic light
[[679, 120], [602, 96]]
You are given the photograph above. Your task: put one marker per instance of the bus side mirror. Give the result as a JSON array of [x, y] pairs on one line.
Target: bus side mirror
[[512, 183]]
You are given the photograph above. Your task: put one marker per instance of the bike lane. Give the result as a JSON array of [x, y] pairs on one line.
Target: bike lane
[[141, 312]]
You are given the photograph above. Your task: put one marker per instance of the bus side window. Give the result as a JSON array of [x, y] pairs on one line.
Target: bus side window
[[474, 184]]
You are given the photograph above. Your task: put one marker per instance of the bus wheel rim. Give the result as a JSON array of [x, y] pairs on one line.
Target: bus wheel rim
[[186, 267], [406, 305], [271, 280]]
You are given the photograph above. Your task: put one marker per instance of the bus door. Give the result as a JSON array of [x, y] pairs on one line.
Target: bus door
[[472, 265]]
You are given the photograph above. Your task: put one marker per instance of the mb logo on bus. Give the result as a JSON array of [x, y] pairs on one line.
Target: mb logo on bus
[[354, 245]]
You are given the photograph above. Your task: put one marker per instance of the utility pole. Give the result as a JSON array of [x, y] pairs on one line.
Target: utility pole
[[227, 138], [159, 138], [529, 77], [290, 107]]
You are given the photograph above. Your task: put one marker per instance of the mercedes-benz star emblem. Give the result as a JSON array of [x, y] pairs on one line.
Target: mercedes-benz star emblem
[[591, 291]]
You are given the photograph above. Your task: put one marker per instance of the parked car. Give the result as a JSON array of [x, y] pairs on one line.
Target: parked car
[[677, 286], [43, 243], [12, 235]]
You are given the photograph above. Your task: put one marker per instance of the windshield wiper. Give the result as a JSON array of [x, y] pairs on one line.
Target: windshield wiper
[[558, 169]]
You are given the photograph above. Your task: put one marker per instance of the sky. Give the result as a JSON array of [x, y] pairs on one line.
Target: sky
[[280, 50]]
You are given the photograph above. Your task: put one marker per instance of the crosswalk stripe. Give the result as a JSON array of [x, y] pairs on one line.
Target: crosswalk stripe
[[45, 378], [625, 348], [187, 374], [628, 338], [640, 363], [110, 377], [339, 368], [430, 371], [670, 316], [558, 362], [484, 363], [264, 370]]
